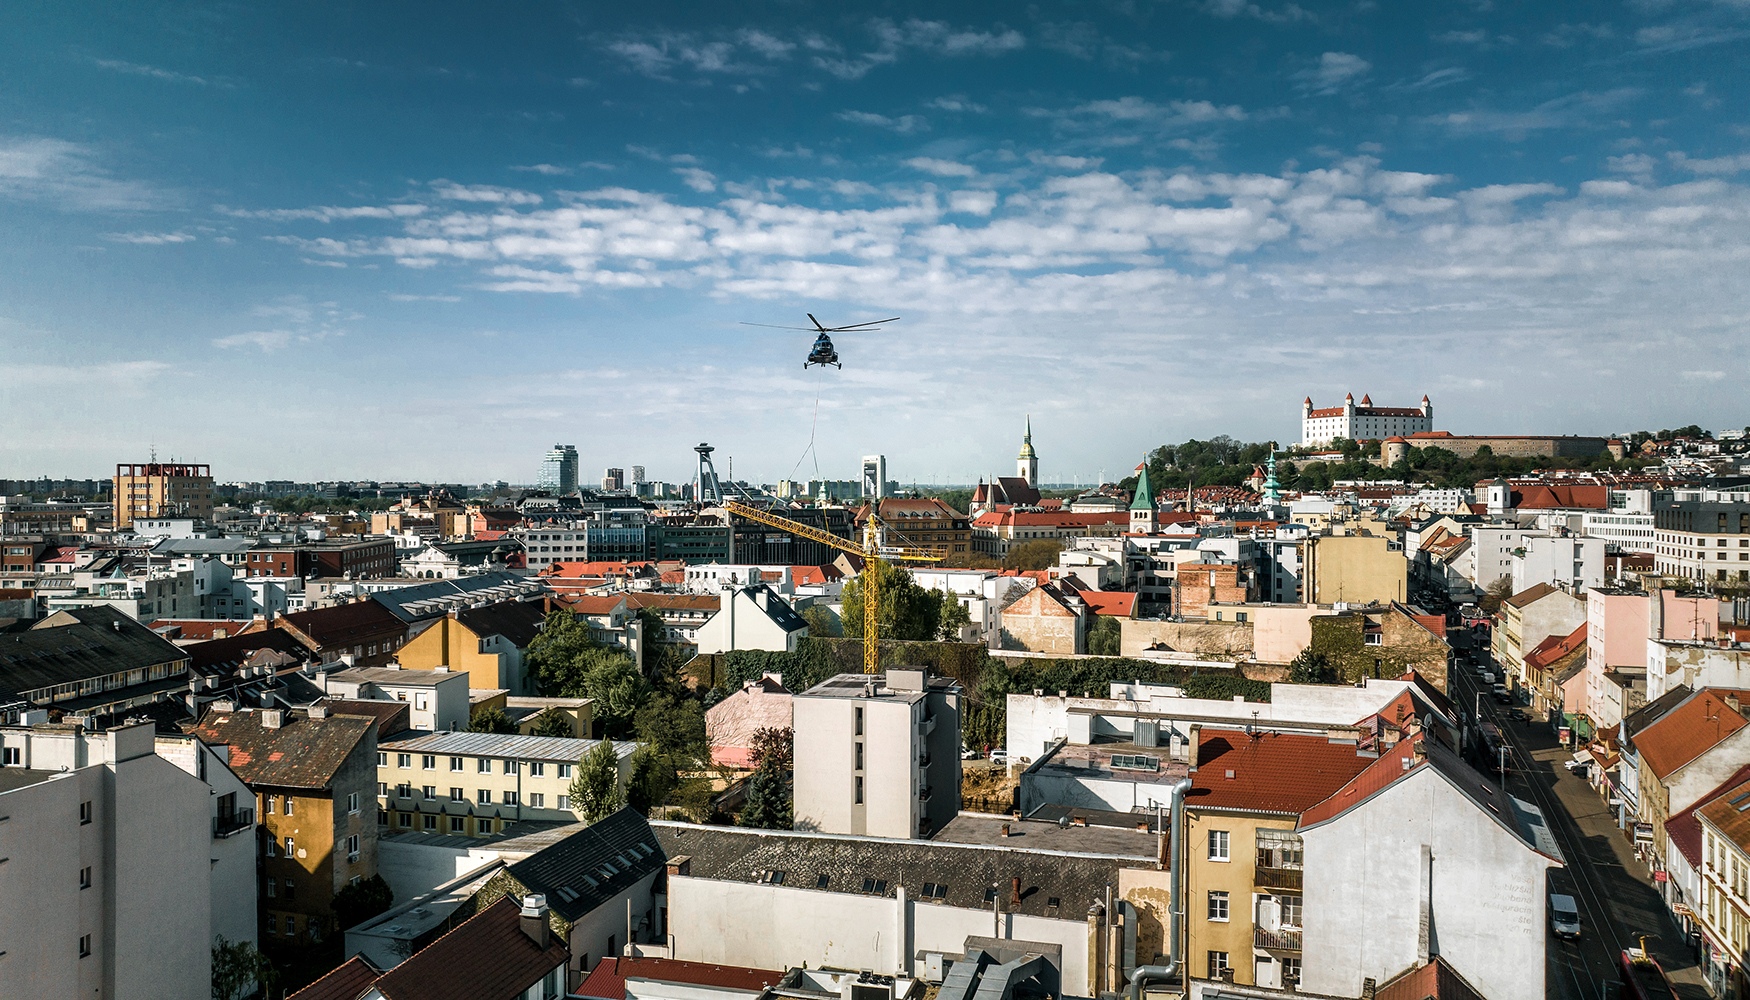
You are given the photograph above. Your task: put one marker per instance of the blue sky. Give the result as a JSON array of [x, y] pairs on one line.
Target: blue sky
[[429, 240]]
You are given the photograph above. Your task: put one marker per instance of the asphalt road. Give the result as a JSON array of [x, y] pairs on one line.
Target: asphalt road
[[1615, 896]]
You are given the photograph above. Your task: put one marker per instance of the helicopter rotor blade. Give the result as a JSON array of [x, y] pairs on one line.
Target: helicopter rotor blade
[[817, 326], [769, 326], [857, 326]]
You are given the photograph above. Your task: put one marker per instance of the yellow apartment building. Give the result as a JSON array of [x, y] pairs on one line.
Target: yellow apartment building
[[475, 784]]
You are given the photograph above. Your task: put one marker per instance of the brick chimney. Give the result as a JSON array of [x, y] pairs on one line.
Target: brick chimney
[[534, 918], [1015, 892]]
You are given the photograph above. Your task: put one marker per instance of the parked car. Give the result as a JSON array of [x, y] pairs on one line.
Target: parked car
[[1564, 916], [1517, 715], [999, 757], [971, 754], [1502, 695]]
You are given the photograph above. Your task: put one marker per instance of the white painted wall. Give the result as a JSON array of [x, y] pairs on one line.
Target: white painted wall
[[1365, 867]]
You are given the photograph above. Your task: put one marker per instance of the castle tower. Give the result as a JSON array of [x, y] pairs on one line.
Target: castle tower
[[1428, 411], [1027, 463], [1144, 514]]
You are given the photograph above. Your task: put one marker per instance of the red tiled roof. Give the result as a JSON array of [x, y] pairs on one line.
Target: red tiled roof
[[587, 604], [600, 568], [345, 624], [487, 956], [199, 629], [1688, 731], [811, 576], [1434, 981], [607, 980], [1555, 648], [1531, 595], [1275, 772], [1684, 829], [1054, 519], [1110, 602], [691, 602], [346, 982], [301, 753]]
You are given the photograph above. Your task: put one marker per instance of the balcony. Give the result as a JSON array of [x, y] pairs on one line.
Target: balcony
[[927, 726], [924, 793], [1288, 879], [924, 759], [231, 824], [1282, 940]]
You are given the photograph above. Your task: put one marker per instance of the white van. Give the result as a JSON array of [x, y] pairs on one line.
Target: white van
[[1564, 916]]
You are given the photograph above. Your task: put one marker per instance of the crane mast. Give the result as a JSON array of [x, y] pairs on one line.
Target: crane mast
[[872, 552]]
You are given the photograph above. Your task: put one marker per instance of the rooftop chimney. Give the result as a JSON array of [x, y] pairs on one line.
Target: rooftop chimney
[[271, 718], [318, 711], [1015, 891], [534, 918]]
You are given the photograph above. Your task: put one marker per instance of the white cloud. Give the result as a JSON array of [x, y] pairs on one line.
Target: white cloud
[[941, 168], [35, 168], [1578, 110], [1334, 72], [893, 40], [904, 124], [1707, 375], [267, 340], [169, 76], [548, 169], [403, 297], [958, 103], [325, 213], [1716, 165], [150, 239], [483, 192], [699, 180], [1286, 14]]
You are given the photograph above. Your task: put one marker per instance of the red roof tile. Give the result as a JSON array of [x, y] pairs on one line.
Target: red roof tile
[[346, 982], [1110, 602], [1275, 772], [1684, 829], [487, 957], [1434, 981], [1688, 731], [607, 981], [1555, 648]]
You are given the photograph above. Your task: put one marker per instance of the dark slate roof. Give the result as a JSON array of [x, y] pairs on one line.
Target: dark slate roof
[[594, 865], [487, 957], [396, 600], [1653, 711], [302, 753], [964, 870], [98, 641], [517, 621], [345, 624], [224, 656], [347, 982]]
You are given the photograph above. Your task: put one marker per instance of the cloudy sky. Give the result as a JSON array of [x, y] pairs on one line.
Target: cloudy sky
[[429, 240]]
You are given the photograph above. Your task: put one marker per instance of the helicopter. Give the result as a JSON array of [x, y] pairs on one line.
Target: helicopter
[[823, 353]]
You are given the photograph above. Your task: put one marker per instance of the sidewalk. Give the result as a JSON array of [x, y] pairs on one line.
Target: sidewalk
[[1628, 887]]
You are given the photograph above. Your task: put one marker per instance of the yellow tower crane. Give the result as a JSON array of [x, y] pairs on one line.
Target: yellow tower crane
[[872, 552]]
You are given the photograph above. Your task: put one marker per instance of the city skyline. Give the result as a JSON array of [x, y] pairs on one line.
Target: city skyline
[[1083, 215]]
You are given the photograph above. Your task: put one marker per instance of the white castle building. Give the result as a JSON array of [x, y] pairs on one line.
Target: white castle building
[[1364, 422]]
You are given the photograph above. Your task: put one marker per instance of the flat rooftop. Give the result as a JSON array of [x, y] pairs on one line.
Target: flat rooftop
[[12, 778], [857, 686], [393, 675], [1104, 832], [1084, 761]]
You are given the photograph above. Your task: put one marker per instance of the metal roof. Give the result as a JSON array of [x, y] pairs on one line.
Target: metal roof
[[505, 745]]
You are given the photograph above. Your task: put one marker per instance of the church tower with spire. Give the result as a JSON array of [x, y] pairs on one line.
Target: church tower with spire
[[1027, 463], [1144, 513]]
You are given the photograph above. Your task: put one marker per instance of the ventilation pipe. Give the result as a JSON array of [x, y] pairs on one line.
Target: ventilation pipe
[[1142, 975]]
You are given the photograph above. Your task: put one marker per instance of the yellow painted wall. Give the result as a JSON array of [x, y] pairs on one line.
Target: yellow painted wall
[[450, 643], [1236, 876], [1357, 569]]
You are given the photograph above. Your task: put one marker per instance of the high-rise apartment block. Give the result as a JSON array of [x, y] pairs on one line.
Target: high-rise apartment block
[[882, 753], [614, 479], [637, 473], [161, 489], [559, 470], [874, 477]]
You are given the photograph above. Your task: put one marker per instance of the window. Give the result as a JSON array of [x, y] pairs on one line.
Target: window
[[431, 823], [352, 803], [85, 812], [85, 877], [382, 759], [428, 762], [273, 924], [269, 848], [404, 791], [483, 796], [1218, 845], [406, 821], [458, 795], [291, 848], [272, 887], [564, 770], [458, 825], [510, 798], [537, 800], [455, 763], [383, 788], [859, 756], [291, 889], [536, 768], [822, 881], [84, 946], [1290, 910], [875, 886], [352, 848], [859, 722], [1218, 964], [483, 765], [1291, 971], [11, 758], [859, 789], [403, 760], [510, 767], [1218, 906]]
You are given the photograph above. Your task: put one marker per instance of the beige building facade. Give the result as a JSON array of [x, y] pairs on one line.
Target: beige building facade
[[476, 784]]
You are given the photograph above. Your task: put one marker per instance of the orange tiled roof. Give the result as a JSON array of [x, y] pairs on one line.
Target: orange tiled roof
[[1555, 648], [1688, 731], [1271, 771]]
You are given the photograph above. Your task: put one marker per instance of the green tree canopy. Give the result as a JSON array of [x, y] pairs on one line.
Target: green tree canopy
[[240, 970], [595, 787], [553, 723], [820, 621], [908, 611], [562, 653], [1311, 667], [355, 904], [491, 720], [1103, 638], [1038, 554], [653, 778]]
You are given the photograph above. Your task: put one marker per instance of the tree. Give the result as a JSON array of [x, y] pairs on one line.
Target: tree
[[1103, 638], [908, 611], [768, 805], [595, 788], [492, 720], [952, 618], [1037, 554], [653, 778], [560, 655], [616, 686], [773, 746], [359, 902], [1311, 668], [553, 722], [820, 622], [1494, 594], [240, 970], [674, 727]]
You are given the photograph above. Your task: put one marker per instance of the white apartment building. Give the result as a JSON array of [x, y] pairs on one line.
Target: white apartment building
[[108, 850], [1704, 539], [1628, 531], [1570, 562], [754, 617], [436, 699], [877, 755], [1490, 556]]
